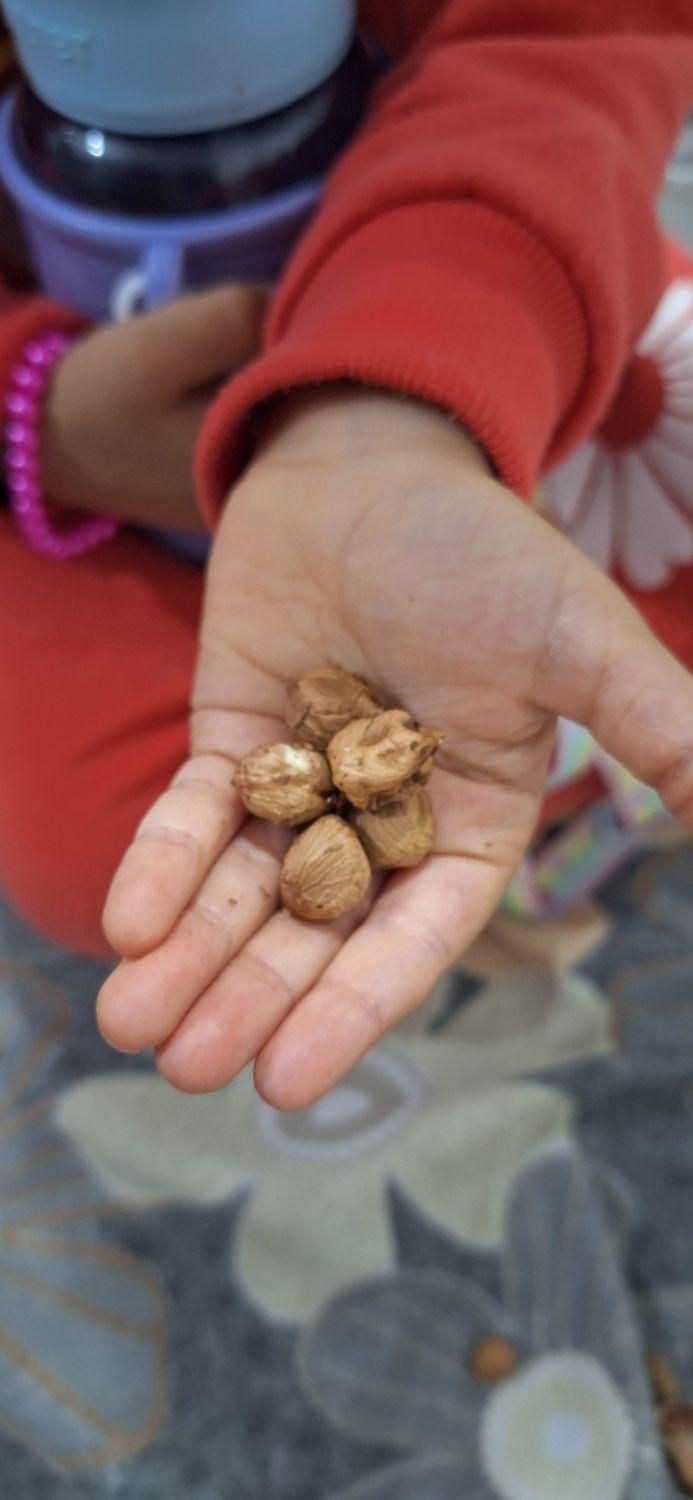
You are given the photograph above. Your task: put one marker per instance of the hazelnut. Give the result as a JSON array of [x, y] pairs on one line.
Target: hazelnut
[[381, 760], [676, 1427], [325, 873], [320, 703], [398, 836], [493, 1359], [285, 784]]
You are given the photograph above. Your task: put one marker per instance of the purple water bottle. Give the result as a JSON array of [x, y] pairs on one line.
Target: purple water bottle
[[119, 220]]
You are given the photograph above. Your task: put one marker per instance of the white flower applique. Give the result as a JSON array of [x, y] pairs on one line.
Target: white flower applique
[[625, 497]]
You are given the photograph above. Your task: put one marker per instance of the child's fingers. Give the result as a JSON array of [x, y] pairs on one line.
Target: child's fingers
[[249, 1000], [176, 844], [643, 715], [234, 1020], [609, 672], [196, 340], [144, 1000], [177, 841], [419, 925]]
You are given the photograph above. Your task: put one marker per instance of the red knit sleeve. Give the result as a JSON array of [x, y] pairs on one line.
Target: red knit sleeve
[[489, 241]]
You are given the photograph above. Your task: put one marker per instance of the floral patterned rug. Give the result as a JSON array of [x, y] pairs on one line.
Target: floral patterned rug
[[466, 1275]]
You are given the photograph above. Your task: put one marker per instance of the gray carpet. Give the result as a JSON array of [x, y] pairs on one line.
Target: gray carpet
[[160, 1334]]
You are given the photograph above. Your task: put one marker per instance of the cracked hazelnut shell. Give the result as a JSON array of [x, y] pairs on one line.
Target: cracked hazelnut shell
[[285, 784], [381, 760]]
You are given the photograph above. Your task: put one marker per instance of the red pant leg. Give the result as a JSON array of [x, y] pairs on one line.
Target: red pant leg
[[96, 659]]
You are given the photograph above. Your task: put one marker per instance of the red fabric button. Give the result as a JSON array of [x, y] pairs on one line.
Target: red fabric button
[[637, 405]]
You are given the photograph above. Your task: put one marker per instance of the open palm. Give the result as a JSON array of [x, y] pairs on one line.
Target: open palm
[[369, 533]]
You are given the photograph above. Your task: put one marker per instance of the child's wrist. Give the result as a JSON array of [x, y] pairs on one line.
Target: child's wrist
[[339, 419], [25, 470]]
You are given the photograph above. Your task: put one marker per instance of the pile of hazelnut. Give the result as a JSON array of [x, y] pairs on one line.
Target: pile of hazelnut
[[355, 774]]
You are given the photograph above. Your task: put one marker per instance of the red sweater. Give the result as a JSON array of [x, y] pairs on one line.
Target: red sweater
[[489, 241]]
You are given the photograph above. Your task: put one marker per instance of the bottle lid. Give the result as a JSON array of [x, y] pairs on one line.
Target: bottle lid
[[194, 174], [162, 67]]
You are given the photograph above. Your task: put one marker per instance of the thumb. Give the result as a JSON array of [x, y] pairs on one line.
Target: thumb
[[611, 674], [199, 338]]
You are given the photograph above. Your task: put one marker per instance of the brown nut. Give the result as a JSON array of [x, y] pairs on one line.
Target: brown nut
[[493, 1359], [325, 873], [381, 760], [285, 784], [398, 836], [320, 703]]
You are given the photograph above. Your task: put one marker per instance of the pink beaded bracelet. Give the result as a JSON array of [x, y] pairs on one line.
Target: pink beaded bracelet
[[28, 384]]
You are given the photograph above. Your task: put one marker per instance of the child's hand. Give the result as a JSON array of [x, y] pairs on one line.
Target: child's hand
[[127, 401], [370, 533]]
